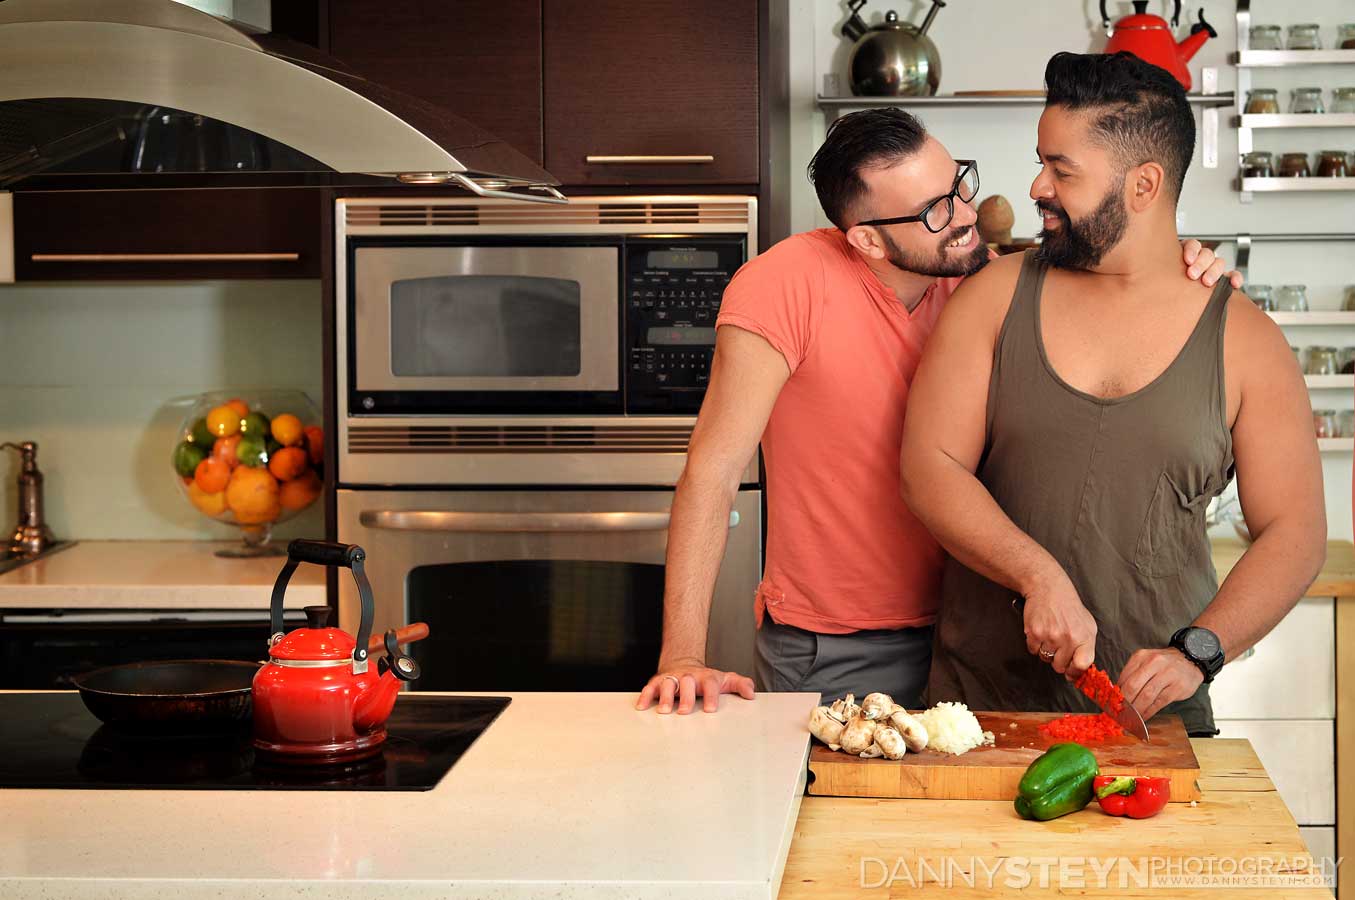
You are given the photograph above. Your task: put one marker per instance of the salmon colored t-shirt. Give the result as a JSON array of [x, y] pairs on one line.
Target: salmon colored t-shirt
[[843, 551]]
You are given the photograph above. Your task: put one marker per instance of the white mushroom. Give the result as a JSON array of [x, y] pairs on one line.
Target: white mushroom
[[844, 709], [825, 727], [872, 752], [890, 742], [877, 705], [914, 732], [858, 735]]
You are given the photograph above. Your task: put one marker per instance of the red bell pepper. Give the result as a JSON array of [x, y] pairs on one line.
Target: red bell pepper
[[1135, 797]]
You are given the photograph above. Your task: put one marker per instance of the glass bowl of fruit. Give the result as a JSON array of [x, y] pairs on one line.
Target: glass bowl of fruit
[[250, 459]]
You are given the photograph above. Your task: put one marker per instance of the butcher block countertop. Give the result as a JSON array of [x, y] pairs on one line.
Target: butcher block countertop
[[962, 849], [1337, 578]]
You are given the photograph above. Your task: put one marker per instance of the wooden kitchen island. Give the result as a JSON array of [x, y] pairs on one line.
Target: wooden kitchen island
[[977, 848]]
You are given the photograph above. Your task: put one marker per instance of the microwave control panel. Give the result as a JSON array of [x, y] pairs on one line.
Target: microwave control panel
[[673, 289]]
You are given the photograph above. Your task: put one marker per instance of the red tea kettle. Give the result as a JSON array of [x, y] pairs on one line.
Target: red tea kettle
[[316, 700], [1150, 38]]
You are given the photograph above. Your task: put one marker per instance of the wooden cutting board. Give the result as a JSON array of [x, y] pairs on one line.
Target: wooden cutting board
[[993, 773]]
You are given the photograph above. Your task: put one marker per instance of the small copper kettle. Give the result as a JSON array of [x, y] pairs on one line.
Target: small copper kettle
[[317, 700]]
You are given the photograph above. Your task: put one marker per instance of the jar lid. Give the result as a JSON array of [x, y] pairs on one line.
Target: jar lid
[[1291, 156], [1304, 25], [1324, 412], [1293, 287], [1256, 28], [1307, 90], [1322, 349], [314, 643], [1340, 153]]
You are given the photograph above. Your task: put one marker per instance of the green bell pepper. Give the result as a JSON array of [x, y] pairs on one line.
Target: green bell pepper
[[1057, 783]]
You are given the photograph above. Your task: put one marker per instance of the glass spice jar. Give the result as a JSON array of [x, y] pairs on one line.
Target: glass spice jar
[[1306, 100], [1266, 37], [1324, 423], [1262, 101], [1332, 164], [1260, 295], [1347, 361], [1345, 423], [1348, 304], [1345, 36], [1291, 298], [1294, 165], [1323, 361], [1306, 36], [1343, 100], [1258, 164]]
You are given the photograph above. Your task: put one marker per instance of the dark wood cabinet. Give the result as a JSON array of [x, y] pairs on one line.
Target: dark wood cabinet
[[167, 234], [661, 79], [479, 59]]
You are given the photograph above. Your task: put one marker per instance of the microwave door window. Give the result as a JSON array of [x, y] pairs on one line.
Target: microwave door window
[[486, 326]]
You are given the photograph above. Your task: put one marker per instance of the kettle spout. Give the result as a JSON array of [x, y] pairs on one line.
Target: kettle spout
[[373, 706], [1200, 32]]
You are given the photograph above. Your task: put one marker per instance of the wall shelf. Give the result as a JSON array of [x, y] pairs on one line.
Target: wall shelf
[[1323, 318], [1336, 445], [1298, 184], [1339, 382], [839, 105], [1296, 120], [1252, 59]]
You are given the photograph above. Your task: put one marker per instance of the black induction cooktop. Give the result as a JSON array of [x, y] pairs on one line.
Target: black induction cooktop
[[49, 740]]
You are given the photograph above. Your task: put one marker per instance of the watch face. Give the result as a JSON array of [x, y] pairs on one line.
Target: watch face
[[1201, 643]]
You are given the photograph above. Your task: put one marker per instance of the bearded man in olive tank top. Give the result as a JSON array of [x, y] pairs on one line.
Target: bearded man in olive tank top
[[1075, 411]]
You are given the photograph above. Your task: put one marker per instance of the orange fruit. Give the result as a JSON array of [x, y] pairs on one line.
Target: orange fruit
[[300, 492], [211, 475], [213, 504], [224, 421], [287, 430], [315, 443], [252, 495], [225, 450], [238, 405], [287, 463]]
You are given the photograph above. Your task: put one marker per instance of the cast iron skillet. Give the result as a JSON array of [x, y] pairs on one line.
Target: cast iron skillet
[[181, 694]]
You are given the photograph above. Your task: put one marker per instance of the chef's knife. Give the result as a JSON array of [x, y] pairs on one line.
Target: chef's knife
[[1127, 718]]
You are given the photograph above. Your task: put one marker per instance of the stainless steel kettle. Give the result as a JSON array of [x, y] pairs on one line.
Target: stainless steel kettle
[[893, 59]]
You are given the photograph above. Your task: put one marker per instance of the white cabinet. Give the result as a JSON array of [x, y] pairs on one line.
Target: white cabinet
[[1300, 757], [1291, 674]]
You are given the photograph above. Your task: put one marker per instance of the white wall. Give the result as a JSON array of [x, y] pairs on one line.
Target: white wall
[[89, 370], [1004, 44]]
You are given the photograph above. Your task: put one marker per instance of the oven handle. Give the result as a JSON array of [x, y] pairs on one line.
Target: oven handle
[[518, 522]]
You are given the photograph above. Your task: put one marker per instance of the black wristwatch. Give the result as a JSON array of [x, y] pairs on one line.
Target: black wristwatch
[[1202, 647]]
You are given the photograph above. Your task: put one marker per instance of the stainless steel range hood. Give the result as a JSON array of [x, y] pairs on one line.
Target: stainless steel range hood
[[114, 93]]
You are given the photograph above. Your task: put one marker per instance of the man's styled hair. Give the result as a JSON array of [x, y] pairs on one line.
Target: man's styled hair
[[871, 137], [1139, 110]]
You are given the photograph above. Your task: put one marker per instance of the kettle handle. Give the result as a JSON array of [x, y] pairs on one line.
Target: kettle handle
[[1176, 15], [1105, 19], [327, 553]]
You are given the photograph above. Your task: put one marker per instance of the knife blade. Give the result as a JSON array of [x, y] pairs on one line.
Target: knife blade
[[1127, 718]]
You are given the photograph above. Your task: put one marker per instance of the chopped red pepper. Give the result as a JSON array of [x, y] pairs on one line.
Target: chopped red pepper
[[1137, 798], [1082, 729], [1097, 685]]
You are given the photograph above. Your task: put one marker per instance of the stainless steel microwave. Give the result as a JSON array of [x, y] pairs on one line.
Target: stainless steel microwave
[[491, 342]]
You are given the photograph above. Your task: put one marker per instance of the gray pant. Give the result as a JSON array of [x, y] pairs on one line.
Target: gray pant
[[894, 661]]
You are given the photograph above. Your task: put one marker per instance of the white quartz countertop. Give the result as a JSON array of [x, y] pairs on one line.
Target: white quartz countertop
[[564, 796], [154, 575]]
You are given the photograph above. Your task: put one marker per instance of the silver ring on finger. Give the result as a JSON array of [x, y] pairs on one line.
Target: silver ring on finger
[[677, 682], [1046, 654]]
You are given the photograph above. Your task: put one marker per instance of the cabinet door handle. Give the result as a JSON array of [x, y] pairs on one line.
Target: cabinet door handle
[[164, 257], [699, 159]]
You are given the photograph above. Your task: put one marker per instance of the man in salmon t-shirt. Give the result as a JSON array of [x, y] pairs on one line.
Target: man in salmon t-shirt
[[817, 341]]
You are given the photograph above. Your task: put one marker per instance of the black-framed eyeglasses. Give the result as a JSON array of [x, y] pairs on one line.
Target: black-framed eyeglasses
[[935, 216]]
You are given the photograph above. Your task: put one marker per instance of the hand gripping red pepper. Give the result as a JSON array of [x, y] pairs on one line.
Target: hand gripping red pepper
[[1135, 797]]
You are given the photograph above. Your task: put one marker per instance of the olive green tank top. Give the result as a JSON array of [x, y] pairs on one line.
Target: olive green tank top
[[1115, 489]]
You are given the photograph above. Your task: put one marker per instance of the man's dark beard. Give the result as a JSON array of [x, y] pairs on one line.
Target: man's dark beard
[[939, 265], [1081, 245]]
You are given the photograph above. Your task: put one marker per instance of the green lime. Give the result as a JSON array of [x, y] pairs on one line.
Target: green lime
[[251, 451], [186, 458], [256, 423], [201, 435]]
